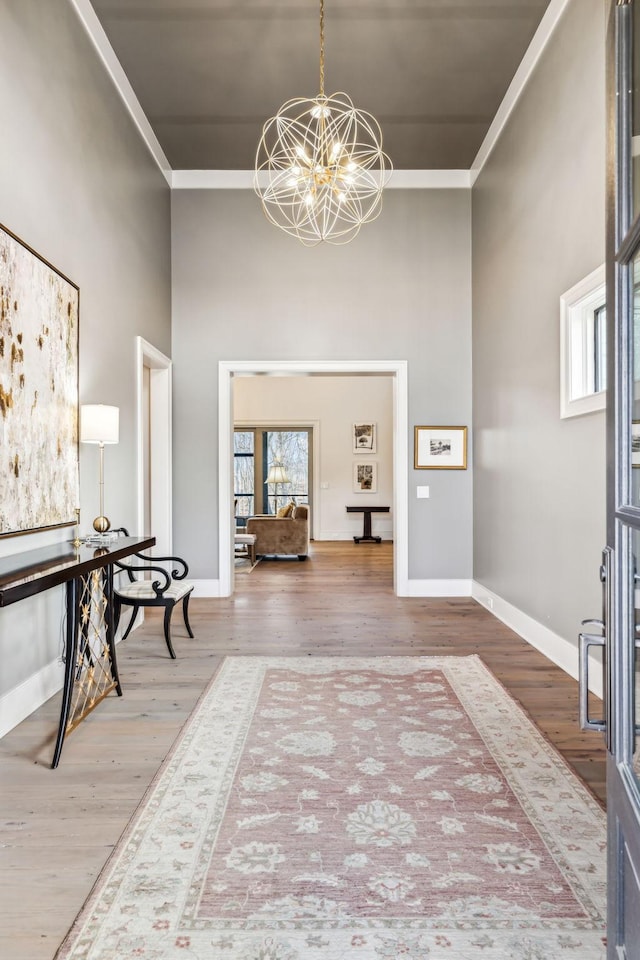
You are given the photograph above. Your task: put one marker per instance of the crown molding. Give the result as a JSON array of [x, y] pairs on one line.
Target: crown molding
[[521, 77], [105, 51], [243, 180]]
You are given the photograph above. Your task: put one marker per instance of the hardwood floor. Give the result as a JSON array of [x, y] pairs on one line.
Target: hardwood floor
[[59, 827]]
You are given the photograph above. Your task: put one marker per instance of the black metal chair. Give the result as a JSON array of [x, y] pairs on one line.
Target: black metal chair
[[165, 590]]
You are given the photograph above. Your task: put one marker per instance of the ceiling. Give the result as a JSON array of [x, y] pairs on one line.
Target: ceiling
[[208, 73]]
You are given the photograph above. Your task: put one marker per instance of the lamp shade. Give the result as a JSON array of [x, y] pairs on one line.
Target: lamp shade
[[277, 474], [99, 423]]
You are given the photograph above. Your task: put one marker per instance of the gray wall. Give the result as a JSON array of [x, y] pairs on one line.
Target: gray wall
[[538, 228], [80, 187], [242, 289]]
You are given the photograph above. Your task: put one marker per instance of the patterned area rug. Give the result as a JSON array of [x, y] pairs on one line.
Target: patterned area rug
[[387, 808], [244, 565]]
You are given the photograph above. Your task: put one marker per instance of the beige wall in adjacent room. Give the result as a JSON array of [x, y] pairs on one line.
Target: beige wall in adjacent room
[[333, 404], [78, 185], [538, 228]]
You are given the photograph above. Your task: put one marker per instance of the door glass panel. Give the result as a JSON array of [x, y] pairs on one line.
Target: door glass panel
[[636, 659], [635, 405], [636, 746], [635, 118]]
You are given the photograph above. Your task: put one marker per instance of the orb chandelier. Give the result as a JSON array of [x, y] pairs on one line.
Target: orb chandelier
[[320, 166]]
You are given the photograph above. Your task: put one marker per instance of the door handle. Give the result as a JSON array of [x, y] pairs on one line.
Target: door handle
[[588, 640]]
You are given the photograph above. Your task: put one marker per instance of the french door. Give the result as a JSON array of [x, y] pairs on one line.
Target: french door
[[621, 558]]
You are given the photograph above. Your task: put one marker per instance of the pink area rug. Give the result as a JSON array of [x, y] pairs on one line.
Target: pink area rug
[[372, 809]]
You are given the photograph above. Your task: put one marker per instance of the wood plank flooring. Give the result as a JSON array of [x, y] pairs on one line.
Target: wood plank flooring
[[58, 827]]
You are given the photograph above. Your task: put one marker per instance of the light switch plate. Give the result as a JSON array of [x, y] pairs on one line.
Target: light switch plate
[[422, 493]]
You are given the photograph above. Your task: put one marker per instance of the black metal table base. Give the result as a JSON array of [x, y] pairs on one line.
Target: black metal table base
[[91, 671]]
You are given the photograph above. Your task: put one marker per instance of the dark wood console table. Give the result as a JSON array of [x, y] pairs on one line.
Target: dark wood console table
[[366, 533], [90, 671]]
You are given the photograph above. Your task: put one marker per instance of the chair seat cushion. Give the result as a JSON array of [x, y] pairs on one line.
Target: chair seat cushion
[[142, 590]]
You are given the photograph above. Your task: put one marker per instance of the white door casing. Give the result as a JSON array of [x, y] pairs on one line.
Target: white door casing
[[395, 368], [159, 434]]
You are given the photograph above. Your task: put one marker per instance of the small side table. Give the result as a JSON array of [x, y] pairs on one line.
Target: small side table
[[366, 532]]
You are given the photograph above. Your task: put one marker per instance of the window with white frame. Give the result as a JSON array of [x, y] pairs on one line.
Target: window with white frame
[[583, 346]]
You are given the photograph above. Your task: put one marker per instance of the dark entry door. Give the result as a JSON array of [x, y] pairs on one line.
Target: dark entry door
[[621, 560]]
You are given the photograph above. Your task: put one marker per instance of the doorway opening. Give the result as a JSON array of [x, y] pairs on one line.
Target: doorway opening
[[396, 369], [153, 427]]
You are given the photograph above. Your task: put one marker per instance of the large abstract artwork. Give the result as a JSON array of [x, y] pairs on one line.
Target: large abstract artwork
[[38, 391]]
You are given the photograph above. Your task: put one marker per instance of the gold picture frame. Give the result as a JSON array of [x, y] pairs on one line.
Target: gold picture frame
[[440, 448], [39, 324]]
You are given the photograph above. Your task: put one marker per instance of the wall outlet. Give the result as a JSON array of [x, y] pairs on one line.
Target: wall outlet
[[489, 602]]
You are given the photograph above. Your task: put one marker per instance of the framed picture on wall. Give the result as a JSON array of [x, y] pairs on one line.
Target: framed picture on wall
[[440, 448], [635, 443], [365, 477], [39, 316], [364, 438]]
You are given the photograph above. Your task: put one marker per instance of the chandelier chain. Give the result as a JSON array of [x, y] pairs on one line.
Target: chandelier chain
[[322, 48]]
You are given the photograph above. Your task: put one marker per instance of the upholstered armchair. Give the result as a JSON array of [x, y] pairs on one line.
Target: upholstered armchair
[[281, 535]]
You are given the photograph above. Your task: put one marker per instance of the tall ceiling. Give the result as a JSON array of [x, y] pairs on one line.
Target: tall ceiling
[[208, 73]]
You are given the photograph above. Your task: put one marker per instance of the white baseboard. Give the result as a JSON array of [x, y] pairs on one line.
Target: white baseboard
[[18, 703], [384, 532], [205, 588], [438, 588], [416, 588], [556, 648]]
